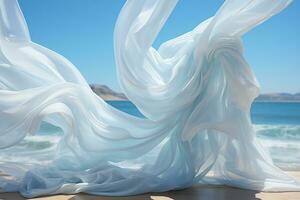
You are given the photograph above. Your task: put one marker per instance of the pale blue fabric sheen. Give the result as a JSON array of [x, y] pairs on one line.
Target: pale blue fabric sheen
[[195, 91]]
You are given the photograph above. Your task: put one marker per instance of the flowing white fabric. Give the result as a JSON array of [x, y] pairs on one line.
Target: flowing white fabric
[[195, 91]]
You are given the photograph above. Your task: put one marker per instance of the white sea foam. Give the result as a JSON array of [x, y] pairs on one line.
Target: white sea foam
[[283, 143], [285, 131], [43, 146]]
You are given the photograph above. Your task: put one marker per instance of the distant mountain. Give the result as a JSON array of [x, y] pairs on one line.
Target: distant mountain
[[106, 93], [278, 97]]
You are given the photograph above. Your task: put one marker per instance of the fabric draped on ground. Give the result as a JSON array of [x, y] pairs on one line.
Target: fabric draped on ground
[[195, 91]]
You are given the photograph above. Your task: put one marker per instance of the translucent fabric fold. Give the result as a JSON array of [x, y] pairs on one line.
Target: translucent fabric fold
[[195, 90]]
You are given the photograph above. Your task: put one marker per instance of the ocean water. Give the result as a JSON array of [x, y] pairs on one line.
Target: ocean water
[[277, 127]]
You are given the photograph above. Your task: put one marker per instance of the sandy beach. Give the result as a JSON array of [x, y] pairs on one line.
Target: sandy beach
[[193, 193]]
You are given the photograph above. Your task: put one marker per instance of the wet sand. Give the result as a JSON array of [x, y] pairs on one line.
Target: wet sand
[[193, 193]]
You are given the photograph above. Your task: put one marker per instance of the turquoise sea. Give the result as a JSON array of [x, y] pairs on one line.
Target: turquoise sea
[[277, 126]]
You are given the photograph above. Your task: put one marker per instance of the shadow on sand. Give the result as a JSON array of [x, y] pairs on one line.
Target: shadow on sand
[[193, 193]]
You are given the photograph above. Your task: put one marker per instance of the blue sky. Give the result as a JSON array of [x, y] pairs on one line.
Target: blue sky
[[82, 31]]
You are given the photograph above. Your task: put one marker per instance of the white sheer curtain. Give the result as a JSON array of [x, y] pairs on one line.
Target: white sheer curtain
[[195, 90]]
